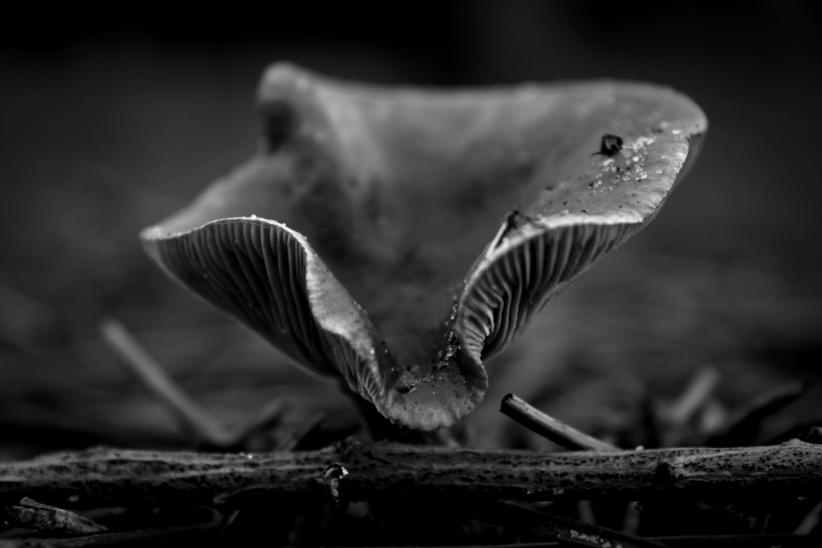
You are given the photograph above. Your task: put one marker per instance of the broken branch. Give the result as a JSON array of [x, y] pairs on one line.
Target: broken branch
[[105, 475], [547, 426]]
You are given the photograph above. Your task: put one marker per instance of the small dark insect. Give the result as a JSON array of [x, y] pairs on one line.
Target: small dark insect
[[513, 221], [610, 145]]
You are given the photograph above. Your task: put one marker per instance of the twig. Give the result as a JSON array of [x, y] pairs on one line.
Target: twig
[[813, 435], [191, 416], [564, 529], [188, 412], [300, 432], [745, 422], [545, 425], [197, 534], [741, 541], [101, 476], [810, 521], [586, 511], [695, 395], [685, 541], [30, 514], [676, 418]]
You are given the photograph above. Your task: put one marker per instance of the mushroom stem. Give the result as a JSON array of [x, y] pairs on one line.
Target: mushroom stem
[[547, 426], [379, 428]]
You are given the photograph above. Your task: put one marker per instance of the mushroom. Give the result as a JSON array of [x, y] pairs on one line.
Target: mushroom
[[396, 238]]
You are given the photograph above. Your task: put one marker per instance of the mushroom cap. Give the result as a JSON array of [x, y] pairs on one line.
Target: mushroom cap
[[396, 237]]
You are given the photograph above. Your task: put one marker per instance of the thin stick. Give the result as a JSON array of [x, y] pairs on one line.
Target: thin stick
[[695, 396], [547, 426], [192, 416], [744, 423], [300, 432], [31, 514], [198, 534], [741, 541], [810, 521], [102, 476], [696, 541], [564, 529]]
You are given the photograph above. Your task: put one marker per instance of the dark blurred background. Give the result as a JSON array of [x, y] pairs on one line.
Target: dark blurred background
[[111, 121]]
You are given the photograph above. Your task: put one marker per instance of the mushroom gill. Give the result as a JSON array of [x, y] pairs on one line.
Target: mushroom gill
[[397, 237]]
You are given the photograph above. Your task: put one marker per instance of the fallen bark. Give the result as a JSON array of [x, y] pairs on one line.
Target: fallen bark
[[355, 471]]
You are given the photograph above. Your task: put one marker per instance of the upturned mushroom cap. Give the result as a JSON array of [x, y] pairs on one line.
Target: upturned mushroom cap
[[397, 237]]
